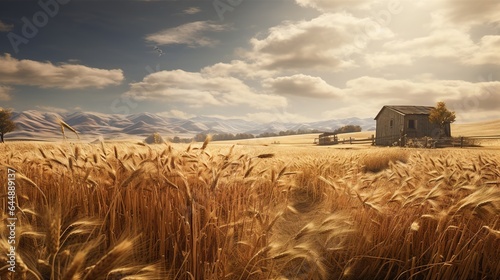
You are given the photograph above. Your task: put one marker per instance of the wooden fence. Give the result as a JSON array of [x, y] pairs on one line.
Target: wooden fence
[[330, 140], [460, 141], [425, 142]]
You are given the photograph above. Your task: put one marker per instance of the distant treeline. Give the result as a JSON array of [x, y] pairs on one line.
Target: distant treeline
[[347, 129], [223, 136], [200, 137], [288, 132], [177, 139]]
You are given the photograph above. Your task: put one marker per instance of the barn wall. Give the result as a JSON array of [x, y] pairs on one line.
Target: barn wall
[[385, 134], [423, 127]]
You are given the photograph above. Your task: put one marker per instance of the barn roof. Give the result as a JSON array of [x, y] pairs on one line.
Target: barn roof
[[408, 110]]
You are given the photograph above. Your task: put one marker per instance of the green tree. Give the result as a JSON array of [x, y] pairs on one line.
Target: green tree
[[200, 137], [441, 116], [347, 129], [6, 124]]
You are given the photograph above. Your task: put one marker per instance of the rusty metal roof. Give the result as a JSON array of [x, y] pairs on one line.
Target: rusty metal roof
[[408, 110]]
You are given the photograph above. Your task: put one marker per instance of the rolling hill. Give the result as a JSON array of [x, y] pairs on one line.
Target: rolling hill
[[484, 128], [36, 125]]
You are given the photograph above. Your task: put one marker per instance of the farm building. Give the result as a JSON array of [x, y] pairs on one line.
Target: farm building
[[397, 123], [327, 138]]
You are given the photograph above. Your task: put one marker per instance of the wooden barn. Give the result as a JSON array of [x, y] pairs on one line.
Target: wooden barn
[[327, 138], [397, 123]]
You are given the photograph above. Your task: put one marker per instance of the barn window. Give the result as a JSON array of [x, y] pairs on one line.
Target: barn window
[[391, 123], [412, 124]]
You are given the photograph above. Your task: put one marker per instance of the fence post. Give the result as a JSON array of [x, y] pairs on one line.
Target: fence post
[[350, 140], [461, 141], [373, 140]]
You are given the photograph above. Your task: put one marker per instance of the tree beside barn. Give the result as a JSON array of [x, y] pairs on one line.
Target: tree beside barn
[[440, 115]]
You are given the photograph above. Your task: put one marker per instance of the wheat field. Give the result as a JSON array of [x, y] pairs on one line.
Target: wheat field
[[203, 211]]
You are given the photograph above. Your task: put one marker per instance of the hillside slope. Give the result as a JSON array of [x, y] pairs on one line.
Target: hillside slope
[[485, 128], [35, 125]]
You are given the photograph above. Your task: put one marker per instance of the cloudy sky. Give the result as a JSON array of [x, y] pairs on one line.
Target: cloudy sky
[[265, 60]]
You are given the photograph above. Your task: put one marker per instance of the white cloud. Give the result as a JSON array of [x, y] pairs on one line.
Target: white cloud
[[471, 12], [198, 90], [488, 51], [450, 36], [482, 97], [48, 75], [335, 5], [443, 43], [191, 34], [365, 96], [454, 44], [5, 93], [192, 10], [462, 96], [302, 85], [408, 91], [383, 59], [238, 68], [4, 27], [323, 42]]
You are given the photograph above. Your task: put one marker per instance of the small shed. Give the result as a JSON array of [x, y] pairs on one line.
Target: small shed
[[328, 138], [397, 123]]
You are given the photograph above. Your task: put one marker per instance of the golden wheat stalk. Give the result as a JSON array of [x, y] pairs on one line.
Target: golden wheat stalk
[[205, 143], [73, 272], [65, 125], [110, 260], [53, 236]]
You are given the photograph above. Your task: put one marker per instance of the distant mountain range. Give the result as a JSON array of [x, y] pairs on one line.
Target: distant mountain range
[[44, 125]]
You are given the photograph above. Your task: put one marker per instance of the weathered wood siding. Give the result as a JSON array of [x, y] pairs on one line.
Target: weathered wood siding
[[386, 134], [423, 127]]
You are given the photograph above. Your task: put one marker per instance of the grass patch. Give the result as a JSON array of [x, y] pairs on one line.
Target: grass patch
[[380, 160]]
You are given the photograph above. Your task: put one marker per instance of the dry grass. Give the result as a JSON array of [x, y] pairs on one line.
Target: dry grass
[[476, 129], [378, 161], [130, 211]]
